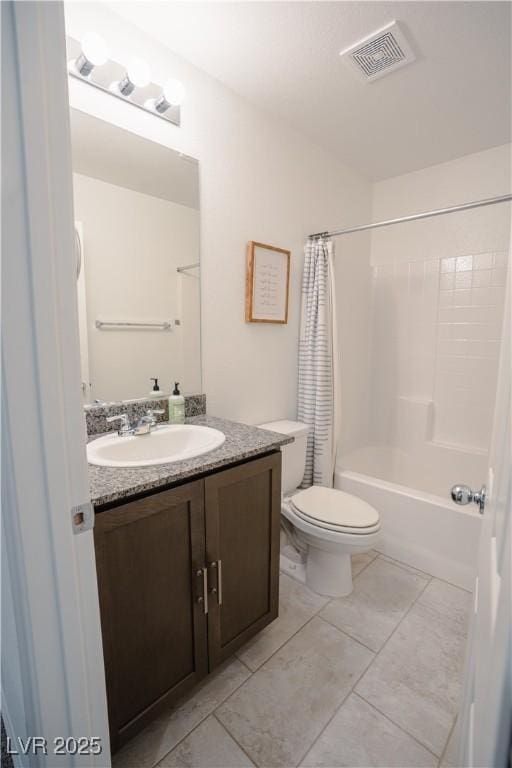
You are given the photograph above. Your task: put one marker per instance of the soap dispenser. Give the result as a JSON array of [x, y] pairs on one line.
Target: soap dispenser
[[155, 392], [176, 406]]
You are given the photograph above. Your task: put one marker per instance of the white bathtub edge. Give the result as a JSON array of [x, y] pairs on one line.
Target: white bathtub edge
[[401, 490]]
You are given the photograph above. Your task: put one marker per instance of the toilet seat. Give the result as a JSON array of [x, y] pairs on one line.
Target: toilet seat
[[335, 510]]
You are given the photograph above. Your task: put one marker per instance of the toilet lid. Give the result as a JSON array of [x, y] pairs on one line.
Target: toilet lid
[[336, 508]]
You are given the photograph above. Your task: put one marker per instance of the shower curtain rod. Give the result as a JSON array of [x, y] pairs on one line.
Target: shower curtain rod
[[416, 216]]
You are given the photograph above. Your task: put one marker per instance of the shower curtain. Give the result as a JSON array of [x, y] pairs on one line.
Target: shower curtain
[[318, 363]]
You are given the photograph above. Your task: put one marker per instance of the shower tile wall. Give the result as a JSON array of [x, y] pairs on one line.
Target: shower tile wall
[[436, 331], [405, 299], [438, 294], [471, 300]]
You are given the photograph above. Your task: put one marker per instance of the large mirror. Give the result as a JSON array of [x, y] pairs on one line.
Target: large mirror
[[137, 233]]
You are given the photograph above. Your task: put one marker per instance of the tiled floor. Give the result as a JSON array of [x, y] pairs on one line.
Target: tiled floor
[[368, 680]]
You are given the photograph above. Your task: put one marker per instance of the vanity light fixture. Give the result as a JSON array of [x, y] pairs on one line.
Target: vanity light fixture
[[94, 53], [137, 75], [89, 62]]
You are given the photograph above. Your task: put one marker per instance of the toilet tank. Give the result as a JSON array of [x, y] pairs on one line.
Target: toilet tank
[[294, 455]]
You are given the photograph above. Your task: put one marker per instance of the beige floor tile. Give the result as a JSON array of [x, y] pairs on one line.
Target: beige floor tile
[[297, 605], [208, 746], [361, 561], [451, 605], [306, 667], [415, 680], [152, 744], [382, 595], [358, 735], [277, 714]]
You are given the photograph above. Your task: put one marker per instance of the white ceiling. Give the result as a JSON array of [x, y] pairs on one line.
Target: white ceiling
[[455, 98], [109, 153]]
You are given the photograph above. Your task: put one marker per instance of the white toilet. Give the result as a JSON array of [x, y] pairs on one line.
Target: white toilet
[[329, 525]]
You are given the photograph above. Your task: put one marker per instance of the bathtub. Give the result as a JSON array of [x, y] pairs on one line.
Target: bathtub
[[421, 526]]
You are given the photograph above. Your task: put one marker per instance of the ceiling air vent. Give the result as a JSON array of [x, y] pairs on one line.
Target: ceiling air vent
[[379, 54]]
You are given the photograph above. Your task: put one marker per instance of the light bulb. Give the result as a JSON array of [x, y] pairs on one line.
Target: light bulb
[[94, 53], [174, 92], [137, 75], [94, 49], [139, 72]]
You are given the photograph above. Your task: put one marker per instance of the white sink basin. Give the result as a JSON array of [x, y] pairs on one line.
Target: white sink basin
[[173, 442]]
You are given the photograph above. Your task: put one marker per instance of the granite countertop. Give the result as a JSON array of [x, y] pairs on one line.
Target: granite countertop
[[109, 484]]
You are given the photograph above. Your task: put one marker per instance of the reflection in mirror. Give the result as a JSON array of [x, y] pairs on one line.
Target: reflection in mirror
[[137, 223]]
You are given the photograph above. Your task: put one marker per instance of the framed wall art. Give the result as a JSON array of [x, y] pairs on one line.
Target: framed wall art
[[266, 283]]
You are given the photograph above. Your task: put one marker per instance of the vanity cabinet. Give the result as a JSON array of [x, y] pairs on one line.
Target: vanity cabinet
[[242, 508], [154, 630], [185, 577]]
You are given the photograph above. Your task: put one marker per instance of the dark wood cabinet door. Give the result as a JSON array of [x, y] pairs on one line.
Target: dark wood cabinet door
[[242, 550], [149, 556]]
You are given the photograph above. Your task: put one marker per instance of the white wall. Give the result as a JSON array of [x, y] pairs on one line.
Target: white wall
[[132, 244], [259, 181], [438, 302]]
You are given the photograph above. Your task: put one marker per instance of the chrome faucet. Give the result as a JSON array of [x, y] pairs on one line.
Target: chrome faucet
[[140, 426], [150, 416]]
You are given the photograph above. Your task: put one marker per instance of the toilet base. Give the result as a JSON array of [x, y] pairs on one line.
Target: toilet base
[[329, 573], [323, 572]]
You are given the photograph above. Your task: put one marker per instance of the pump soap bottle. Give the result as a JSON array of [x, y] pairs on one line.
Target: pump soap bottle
[[176, 406], [155, 392]]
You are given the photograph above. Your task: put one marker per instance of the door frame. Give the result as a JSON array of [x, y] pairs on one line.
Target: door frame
[[485, 717], [53, 678]]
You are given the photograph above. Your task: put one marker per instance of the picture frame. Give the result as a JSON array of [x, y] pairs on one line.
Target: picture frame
[[267, 283]]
